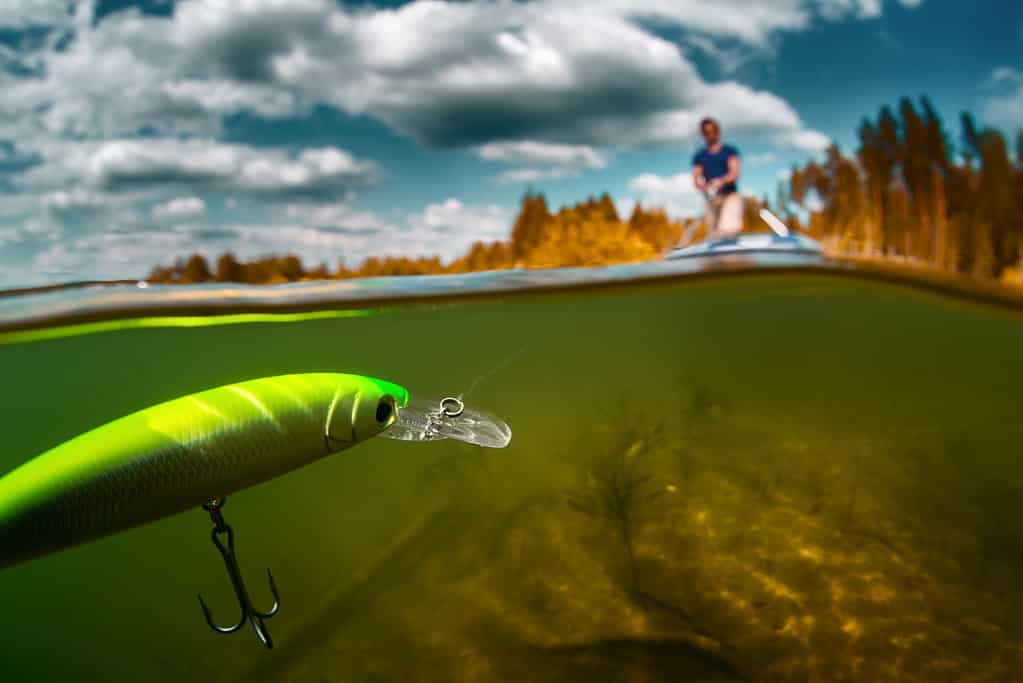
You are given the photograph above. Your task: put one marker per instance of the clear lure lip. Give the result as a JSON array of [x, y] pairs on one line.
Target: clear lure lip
[[431, 419]]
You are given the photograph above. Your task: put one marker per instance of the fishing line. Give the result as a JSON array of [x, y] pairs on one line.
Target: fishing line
[[501, 365]]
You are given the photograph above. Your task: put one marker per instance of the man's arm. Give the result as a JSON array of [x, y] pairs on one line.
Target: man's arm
[[734, 169], [698, 179]]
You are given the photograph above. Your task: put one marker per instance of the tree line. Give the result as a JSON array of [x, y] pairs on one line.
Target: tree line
[[910, 191], [587, 234]]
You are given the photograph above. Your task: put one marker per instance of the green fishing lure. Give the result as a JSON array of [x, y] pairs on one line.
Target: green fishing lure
[[197, 449], [183, 454]]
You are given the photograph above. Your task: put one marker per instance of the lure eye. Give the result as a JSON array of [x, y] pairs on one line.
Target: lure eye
[[385, 409]]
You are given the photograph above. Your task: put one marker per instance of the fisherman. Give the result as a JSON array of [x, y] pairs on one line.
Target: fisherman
[[716, 170]]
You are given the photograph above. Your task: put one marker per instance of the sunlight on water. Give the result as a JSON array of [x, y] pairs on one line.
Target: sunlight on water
[[770, 478]]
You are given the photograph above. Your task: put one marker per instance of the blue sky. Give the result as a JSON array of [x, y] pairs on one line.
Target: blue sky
[[133, 133]]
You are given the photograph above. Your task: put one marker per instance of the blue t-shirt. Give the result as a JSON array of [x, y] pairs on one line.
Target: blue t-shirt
[[715, 164]]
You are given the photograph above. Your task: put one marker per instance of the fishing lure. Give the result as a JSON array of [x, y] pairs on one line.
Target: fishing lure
[[195, 450], [185, 453]]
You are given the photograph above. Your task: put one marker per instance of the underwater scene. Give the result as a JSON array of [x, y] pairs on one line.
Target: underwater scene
[[763, 476]]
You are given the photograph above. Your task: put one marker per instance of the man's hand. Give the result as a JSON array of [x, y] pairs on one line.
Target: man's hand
[[714, 185]]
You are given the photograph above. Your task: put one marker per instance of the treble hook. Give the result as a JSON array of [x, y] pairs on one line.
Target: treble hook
[[249, 613]]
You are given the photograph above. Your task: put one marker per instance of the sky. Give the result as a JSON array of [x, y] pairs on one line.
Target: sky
[[132, 134]]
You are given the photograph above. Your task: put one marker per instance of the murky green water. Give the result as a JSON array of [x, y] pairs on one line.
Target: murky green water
[[767, 478]]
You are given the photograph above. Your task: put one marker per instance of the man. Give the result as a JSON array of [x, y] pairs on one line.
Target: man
[[716, 170]]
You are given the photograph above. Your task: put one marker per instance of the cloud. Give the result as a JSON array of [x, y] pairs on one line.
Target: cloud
[[534, 175], [764, 159], [243, 38], [676, 193], [1006, 74], [555, 161], [1003, 107], [340, 217], [748, 21], [451, 227], [446, 229], [179, 208], [201, 165], [448, 74], [119, 76], [23, 14], [473, 74], [532, 152], [76, 199], [803, 140], [861, 9]]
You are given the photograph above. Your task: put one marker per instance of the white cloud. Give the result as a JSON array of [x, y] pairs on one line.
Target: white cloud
[[179, 208], [728, 57], [813, 202], [1003, 107], [446, 229], [199, 164], [838, 9], [121, 75], [555, 161], [340, 216], [544, 73], [551, 154], [315, 233], [676, 193], [1006, 74], [22, 14], [754, 22], [804, 140], [452, 226], [76, 198], [749, 21], [474, 74], [445, 73], [763, 159], [534, 175]]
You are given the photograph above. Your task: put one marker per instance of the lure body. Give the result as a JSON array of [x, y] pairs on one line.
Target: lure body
[[183, 453]]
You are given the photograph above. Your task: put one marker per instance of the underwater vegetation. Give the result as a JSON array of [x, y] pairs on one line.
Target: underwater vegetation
[[625, 573]]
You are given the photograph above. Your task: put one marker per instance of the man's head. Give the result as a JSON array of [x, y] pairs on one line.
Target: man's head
[[711, 131]]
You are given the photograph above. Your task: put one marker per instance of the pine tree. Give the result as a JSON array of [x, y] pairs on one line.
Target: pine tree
[[196, 270], [936, 151], [996, 207], [870, 156], [529, 226], [916, 173], [970, 139], [228, 269], [887, 143], [608, 210]]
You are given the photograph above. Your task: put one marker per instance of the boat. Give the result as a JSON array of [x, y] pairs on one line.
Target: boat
[[780, 240], [751, 244]]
